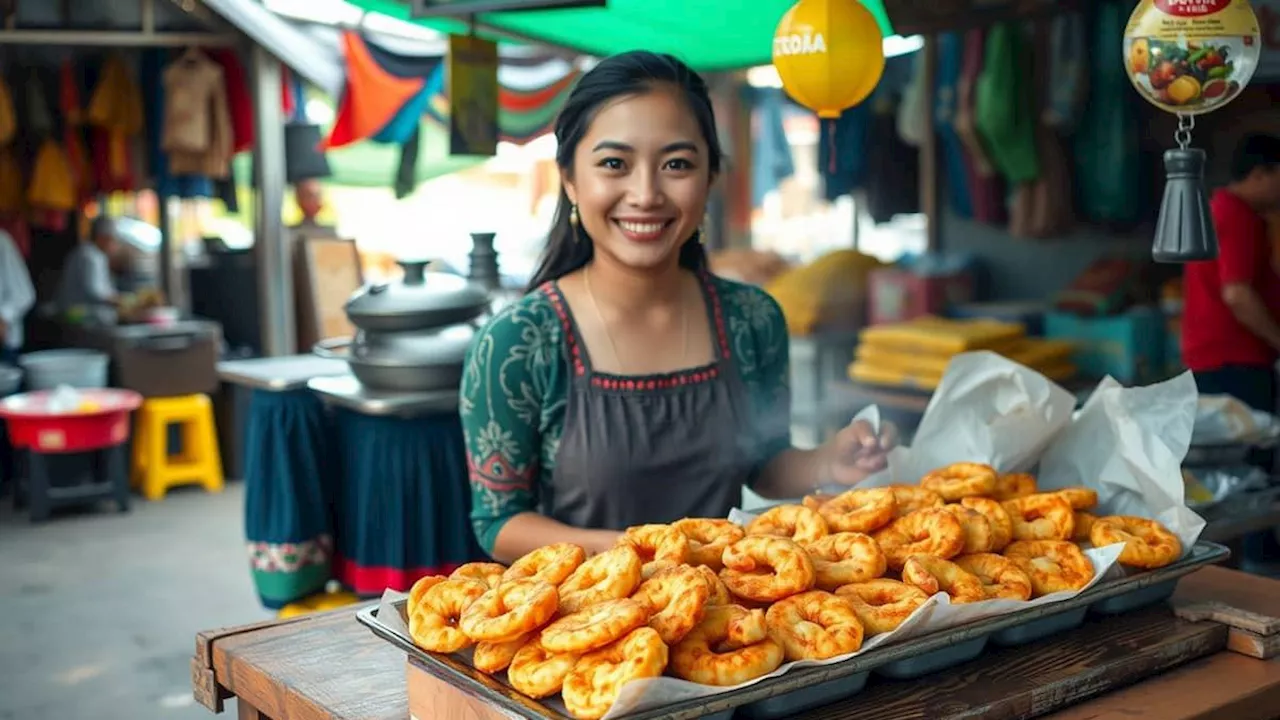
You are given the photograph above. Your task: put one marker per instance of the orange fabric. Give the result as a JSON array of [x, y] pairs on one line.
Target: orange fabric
[[371, 98]]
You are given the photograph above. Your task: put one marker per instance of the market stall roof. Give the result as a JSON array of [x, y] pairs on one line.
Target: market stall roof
[[710, 35]]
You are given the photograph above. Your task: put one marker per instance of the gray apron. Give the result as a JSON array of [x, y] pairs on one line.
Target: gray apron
[[650, 449]]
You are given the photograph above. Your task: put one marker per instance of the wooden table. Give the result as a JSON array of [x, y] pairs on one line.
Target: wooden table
[[329, 667]]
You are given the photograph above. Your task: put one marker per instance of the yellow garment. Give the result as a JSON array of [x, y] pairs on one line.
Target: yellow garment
[[11, 187], [864, 372], [116, 106], [940, 335], [1035, 353], [830, 291], [53, 185], [8, 116]]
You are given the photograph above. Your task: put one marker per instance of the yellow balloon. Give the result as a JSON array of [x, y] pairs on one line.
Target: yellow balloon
[[828, 54]]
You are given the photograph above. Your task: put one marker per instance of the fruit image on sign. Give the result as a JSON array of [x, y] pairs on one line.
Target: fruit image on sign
[[1191, 56]]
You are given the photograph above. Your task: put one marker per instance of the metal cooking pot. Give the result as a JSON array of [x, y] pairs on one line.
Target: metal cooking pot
[[423, 301], [408, 361]]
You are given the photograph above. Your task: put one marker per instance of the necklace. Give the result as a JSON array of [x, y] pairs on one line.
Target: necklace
[[613, 346]]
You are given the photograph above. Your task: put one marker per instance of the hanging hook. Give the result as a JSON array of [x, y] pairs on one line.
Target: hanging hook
[[1186, 123]]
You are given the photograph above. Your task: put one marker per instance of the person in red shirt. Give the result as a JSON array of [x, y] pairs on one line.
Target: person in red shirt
[[1231, 305]]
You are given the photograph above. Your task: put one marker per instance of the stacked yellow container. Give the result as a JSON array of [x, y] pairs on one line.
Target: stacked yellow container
[[915, 354]]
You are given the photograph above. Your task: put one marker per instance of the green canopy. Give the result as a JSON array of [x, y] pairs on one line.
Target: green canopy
[[709, 35]]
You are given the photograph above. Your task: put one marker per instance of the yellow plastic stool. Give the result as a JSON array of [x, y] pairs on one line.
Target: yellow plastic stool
[[318, 603], [199, 463]]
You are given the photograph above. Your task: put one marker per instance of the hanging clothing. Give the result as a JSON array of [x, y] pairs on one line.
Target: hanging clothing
[[986, 187], [12, 190], [53, 185], [1004, 106], [1067, 81], [1043, 207], [73, 132], [1108, 160], [152, 65], [842, 151], [8, 114], [955, 166], [771, 160], [239, 99], [115, 110], [893, 167], [913, 119], [197, 131], [39, 116]]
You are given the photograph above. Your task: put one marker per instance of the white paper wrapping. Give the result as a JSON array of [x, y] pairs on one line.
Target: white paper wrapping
[[1125, 443]]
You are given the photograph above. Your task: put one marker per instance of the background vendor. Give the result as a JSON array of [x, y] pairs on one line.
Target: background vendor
[[1231, 314], [630, 385], [87, 283], [1231, 311], [17, 296]]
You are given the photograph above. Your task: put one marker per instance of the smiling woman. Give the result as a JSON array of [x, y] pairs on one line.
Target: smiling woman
[[630, 386]]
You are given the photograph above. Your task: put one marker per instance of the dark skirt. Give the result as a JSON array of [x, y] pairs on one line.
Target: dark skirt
[[290, 474], [404, 501]]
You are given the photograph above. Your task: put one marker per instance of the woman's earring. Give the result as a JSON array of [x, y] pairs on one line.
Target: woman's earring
[[702, 231], [573, 215]]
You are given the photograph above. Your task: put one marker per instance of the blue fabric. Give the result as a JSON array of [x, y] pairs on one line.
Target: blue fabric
[[405, 123], [151, 73], [771, 160], [842, 151], [290, 482], [404, 500], [950, 60]]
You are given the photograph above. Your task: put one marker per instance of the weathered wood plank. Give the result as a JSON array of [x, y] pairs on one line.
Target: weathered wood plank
[[1025, 682]]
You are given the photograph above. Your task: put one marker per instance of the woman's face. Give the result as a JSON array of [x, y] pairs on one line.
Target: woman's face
[[640, 179]]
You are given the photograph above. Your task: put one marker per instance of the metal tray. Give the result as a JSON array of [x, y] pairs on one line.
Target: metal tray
[[927, 663], [1040, 629], [457, 673], [797, 701], [1136, 599]]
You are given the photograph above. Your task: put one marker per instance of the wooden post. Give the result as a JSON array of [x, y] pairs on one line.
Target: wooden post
[[930, 204]]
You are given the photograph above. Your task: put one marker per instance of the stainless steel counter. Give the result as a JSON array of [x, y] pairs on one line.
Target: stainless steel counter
[[279, 374], [345, 391]]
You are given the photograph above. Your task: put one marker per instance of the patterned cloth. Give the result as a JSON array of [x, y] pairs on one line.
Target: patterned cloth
[[403, 501], [289, 494], [518, 376]]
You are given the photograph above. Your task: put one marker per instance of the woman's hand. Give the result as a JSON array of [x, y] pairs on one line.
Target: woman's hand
[[856, 452]]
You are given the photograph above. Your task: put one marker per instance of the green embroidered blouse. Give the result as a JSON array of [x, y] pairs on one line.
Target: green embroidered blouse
[[517, 377]]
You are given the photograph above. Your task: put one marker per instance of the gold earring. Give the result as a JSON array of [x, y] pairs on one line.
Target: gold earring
[[573, 215], [702, 231]]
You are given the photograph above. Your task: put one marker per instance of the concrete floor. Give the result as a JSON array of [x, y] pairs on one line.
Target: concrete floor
[[99, 610]]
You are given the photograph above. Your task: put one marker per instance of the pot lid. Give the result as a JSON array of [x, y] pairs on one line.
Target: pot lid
[[419, 292]]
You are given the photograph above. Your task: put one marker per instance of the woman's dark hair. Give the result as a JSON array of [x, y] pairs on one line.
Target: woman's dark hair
[[630, 73]]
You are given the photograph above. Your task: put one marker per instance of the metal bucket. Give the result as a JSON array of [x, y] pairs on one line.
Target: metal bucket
[[47, 369], [10, 380]]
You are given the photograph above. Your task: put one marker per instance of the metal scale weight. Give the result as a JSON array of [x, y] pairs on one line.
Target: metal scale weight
[[1189, 57]]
